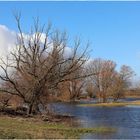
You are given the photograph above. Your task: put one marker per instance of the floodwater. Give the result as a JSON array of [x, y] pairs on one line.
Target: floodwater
[[126, 120]]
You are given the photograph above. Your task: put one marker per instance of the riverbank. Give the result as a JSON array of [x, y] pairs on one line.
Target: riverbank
[[112, 104], [32, 128]]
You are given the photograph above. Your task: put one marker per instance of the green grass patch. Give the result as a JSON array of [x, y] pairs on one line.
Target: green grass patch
[[112, 104], [19, 128]]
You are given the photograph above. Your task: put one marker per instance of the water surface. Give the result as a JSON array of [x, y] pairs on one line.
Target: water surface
[[126, 120]]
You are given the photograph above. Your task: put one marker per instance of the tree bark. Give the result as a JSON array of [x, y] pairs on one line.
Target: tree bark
[[30, 109]]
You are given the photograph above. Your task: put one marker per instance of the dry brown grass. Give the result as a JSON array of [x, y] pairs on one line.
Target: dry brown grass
[[112, 104]]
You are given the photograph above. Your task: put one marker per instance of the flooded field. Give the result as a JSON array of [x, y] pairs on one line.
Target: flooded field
[[126, 120]]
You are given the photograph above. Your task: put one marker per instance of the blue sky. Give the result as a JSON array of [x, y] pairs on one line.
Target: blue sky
[[112, 27]]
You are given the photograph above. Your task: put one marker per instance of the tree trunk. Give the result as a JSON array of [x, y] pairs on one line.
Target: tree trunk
[[104, 100], [30, 109], [117, 97], [104, 97]]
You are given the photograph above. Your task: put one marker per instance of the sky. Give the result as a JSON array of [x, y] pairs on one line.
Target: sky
[[113, 28]]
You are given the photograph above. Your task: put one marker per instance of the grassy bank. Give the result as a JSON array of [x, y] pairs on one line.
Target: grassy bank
[[112, 104], [21, 128]]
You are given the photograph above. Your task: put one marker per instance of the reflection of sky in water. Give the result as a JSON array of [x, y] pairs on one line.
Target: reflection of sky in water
[[125, 119]]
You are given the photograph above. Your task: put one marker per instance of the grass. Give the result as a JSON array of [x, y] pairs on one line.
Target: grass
[[21, 128], [112, 104]]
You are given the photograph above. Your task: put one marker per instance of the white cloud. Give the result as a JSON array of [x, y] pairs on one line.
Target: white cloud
[[67, 52], [7, 40]]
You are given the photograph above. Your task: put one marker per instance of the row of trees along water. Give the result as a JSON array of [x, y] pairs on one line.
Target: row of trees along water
[[37, 71]]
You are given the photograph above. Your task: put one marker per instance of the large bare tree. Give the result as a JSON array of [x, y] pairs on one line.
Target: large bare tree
[[37, 66]]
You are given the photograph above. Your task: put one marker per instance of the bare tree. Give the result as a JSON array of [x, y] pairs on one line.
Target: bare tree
[[126, 73], [75, 88], [107, 81], [4, 101], [35, 66], [121, 82], [90, 90], [102, 80], [116, 89]]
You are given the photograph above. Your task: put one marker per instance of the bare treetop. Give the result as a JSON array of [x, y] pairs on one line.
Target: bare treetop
[[37, 66]]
